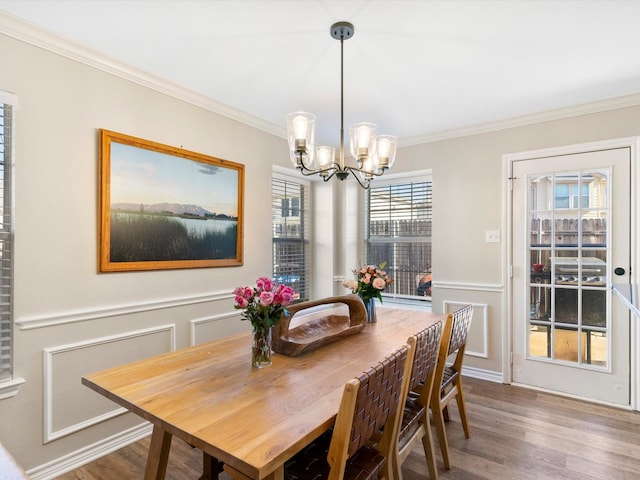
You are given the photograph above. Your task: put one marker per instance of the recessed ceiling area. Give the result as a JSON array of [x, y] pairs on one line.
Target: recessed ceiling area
[[415, 68]]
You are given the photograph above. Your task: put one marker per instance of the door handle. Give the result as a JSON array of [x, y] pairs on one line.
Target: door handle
[[619, 271]]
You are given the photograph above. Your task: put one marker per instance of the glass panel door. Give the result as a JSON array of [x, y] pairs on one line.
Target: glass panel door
[[570, 232], [568, 267]]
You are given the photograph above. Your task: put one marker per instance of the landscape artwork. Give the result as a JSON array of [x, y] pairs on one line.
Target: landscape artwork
[[163, 207]]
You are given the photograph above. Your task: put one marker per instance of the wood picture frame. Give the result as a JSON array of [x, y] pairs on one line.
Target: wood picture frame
[[162, 207]]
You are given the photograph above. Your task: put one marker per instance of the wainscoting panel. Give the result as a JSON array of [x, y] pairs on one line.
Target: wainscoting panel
[[206, 329], [70, 406], [478, 339]]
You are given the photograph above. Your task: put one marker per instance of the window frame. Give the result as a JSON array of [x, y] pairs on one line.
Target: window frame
[[9, 384], [288, 207], [406, 276]]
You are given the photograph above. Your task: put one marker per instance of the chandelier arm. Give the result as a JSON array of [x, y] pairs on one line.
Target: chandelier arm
[[328, 171], [308, 172], [327, 177], [352, 171]]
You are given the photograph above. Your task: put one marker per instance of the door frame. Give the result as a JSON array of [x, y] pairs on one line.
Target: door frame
[[633, 143]]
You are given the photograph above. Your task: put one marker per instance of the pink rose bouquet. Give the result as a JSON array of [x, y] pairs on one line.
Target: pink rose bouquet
[[263, 304], [369, 283]]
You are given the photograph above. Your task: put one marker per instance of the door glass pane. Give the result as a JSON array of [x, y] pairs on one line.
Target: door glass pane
[[593, 308], [566, 305], [594, 270], [565, 267], [566, 345], [596, 348], [539, 338], [566, 229], [596, 188], [540, 307]]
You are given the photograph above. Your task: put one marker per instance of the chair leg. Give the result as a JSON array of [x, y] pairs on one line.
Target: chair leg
[[462, 409], [427, 444], [445, 413], [438, 420]]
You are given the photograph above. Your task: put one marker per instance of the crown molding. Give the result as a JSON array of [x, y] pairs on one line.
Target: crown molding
[[33, 35], [631, 100]]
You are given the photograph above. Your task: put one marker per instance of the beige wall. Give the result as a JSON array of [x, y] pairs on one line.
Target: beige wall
[[468, 185], [73, 320]]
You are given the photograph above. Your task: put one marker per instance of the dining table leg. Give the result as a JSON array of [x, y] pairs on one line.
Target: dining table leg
[[158, 454], [211, 467]]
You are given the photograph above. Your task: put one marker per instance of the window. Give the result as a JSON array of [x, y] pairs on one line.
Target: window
[[290, 220], [6, 240], [398, 231], [571, 195]]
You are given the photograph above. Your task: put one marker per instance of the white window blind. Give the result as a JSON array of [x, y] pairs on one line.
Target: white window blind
[[398, 223], [290, 220], [6, 243]]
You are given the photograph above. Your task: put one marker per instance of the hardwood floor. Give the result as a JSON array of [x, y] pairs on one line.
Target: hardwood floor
[[516, 434]]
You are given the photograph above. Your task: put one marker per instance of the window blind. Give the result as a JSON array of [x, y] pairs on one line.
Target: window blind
[[398, 232], [6, 244], [290, 220]]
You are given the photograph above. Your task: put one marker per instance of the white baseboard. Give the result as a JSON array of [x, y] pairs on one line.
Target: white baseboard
[[481, 374], [87, 454]]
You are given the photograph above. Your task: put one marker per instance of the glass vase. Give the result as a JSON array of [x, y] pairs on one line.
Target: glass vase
[[370, 306], [261, 348]]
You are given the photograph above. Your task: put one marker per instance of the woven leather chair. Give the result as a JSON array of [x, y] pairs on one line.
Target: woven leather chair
[[370, 402], [415, 423], [448, 378]]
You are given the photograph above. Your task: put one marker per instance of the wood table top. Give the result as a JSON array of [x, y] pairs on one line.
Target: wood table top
[[210, 396]]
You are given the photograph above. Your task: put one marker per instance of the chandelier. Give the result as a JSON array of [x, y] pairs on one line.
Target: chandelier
[[373, 154]]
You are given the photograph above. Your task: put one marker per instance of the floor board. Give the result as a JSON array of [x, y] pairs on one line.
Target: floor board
[[516, 434]]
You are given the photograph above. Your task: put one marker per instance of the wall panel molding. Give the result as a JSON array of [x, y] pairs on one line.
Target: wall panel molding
[[199, 322], [53, 354], [30, 323], [452, 305]]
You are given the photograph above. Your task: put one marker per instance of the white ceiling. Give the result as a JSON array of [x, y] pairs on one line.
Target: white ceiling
[[415, 68]]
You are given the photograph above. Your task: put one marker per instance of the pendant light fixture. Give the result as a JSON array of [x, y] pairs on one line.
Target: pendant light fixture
[[374, 154]]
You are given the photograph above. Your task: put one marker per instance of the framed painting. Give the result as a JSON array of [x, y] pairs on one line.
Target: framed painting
[[163, 207]]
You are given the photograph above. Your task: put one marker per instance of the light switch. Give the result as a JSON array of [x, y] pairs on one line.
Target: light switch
[[492, 236]]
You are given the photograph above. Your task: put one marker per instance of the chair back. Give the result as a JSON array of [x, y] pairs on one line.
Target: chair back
[[370, 403], [459, 333], [454, 340], [426, 344], [460, 328]]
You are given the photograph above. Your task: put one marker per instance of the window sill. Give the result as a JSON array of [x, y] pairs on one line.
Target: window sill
[[418, 303], [10, 388]]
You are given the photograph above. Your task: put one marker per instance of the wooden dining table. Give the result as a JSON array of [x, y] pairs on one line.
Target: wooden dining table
[[252, 420]]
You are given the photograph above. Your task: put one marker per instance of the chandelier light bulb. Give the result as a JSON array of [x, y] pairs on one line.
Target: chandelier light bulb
[[386, 150], [300, 127], [362, 138], [325, 156], [383, 147]]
